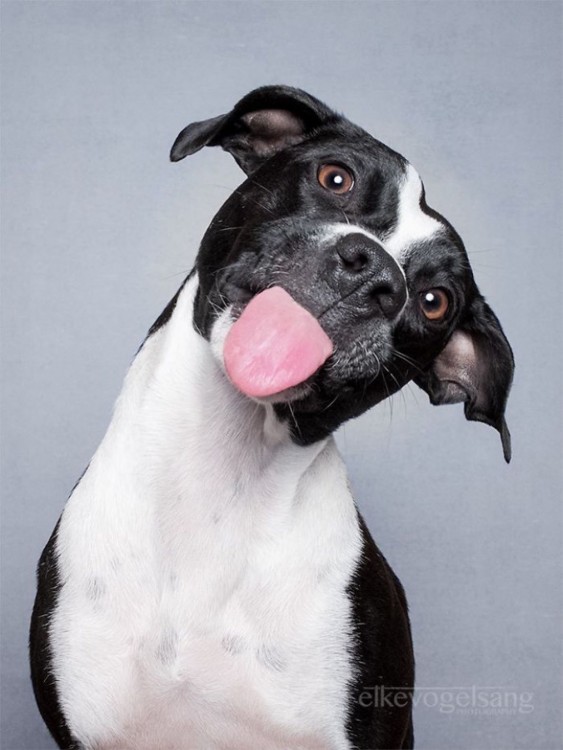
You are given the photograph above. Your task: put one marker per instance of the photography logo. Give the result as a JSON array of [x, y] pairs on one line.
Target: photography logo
[[472, 700]]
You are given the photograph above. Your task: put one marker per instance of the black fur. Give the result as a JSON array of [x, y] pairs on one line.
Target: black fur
[[381, 692], [44, 686]]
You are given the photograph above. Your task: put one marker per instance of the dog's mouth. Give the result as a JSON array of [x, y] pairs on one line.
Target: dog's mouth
[[295, 342], [274, 346]]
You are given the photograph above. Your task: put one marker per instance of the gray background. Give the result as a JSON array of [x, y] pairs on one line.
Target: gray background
[[99, 229]]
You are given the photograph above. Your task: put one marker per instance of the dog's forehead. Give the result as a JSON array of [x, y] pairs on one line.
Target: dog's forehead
[[386, 171], [349, 140]]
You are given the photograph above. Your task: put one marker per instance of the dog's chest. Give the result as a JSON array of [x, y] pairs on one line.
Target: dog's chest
[[241, 658], [205, 611]]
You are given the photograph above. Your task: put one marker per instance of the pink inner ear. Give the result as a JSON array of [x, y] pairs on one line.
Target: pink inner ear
[[273, 123], [458, 360]]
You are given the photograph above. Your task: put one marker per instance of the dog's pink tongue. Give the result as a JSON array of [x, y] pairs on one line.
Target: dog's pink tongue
[[275, 344]]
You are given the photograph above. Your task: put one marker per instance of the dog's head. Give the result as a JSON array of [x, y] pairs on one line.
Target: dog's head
[[339, 222]]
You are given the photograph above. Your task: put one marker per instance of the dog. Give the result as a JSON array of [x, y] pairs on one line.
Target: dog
[[210, 583]]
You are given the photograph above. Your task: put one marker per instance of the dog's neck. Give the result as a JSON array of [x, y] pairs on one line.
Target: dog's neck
[[193, 433]]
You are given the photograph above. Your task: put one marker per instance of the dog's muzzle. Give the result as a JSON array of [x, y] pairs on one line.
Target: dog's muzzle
[[367, 275]]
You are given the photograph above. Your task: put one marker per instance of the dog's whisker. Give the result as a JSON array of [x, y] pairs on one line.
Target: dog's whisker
[[254, 181], [401, 355], [399, 387], [175, 275], [228, 229]]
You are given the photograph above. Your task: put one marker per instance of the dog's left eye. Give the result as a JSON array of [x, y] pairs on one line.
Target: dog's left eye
[[335, 178], [434, 304]]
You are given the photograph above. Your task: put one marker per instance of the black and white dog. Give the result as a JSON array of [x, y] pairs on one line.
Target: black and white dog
[[210, 583]]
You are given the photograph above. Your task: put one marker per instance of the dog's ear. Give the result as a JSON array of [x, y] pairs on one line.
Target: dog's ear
[[475, 367], [264, 122]]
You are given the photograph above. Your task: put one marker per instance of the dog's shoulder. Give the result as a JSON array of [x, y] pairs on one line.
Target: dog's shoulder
[[381, 650], [44, 684]]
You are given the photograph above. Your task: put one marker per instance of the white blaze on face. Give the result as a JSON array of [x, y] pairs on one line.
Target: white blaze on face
[[413, 225]]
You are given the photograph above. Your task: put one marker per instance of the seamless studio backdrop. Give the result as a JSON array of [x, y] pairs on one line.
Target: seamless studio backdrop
[[99, 230]]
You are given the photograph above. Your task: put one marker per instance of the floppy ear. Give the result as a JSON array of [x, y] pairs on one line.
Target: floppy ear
[[476, 368], [264, 122]]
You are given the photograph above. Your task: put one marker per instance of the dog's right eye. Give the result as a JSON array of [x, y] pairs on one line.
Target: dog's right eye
[[335, 178]]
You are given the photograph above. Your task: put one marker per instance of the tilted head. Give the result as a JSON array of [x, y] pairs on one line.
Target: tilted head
[[339, 222]]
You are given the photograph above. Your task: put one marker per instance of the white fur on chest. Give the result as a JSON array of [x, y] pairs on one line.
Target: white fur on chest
[[205, 560]]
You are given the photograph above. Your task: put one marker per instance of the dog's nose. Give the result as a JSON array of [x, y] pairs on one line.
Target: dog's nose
[[365, 266]]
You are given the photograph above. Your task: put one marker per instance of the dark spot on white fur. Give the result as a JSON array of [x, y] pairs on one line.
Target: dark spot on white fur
[[270, 658], [95, 589], [233, 644], [167, 648], [322, 574]]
